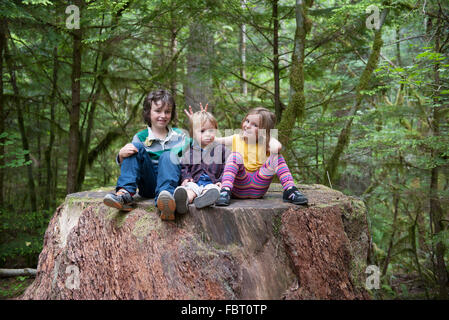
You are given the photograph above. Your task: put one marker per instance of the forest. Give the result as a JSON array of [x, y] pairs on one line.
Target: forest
[[360, 89]]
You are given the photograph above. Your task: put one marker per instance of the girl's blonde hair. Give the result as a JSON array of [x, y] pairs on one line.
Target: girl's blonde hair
[[267, 122], [200, 118]]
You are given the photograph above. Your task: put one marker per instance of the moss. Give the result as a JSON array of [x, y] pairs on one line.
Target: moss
[[357, 273], [277, 224], [202, 249], [356, 216], [148, 208], [330, 204], [145, 225], [358, 210], [70, 201], [117, 216]]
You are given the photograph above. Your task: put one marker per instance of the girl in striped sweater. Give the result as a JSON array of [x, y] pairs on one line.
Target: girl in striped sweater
[[250, 168]]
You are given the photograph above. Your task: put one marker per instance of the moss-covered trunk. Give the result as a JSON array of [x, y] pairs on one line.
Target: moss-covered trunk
[[2, 116], [296, 106], [436, 210], [344, 136]]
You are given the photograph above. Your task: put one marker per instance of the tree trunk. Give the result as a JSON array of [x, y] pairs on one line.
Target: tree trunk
[[2, 111], [198, 86], [90, 114], [276, 71], [98, 87], [393, 232], [296, 106], [38, 147], [344, 137], [400, 94], [436, 212], [174, 66], [74, 113], [12, 71], [49, 196], [243, 83]]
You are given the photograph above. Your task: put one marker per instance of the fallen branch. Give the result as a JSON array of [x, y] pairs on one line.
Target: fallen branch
[[4, 273]]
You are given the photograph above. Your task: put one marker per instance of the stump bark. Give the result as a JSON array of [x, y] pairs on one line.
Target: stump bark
[[253, 249]]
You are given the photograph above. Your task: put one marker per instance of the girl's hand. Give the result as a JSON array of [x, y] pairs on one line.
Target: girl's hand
[[275, 146], [218, 184], [127, 151], [189, 113], [186, 181]]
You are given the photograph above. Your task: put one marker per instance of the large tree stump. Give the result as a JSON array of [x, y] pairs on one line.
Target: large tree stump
[[253, 249]]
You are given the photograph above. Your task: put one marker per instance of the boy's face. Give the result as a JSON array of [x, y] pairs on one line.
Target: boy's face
[[250, 127], [204, 134], [160, 115]]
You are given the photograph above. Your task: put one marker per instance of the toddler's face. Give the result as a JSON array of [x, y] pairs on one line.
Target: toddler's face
[[204, 134], [160, 115], [250, 128]]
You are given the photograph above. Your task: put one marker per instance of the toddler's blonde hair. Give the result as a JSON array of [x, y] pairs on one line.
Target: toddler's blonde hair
[[200, 118]]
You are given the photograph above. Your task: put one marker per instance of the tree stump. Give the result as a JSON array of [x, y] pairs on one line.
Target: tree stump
[[253, 249]]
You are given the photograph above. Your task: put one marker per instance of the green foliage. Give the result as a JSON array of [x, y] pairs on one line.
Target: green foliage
[[132, 47], [13, 287], [21, 236], [15, 157]]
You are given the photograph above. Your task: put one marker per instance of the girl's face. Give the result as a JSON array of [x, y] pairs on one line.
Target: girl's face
[[160, 115], [204, 134], [250, 127]]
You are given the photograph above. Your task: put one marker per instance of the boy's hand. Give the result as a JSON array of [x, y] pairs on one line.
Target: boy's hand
[[189, 113], [128, 150], [186, 181]]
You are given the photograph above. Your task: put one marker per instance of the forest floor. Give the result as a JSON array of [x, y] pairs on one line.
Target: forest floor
[[13, 287], [409, 287]]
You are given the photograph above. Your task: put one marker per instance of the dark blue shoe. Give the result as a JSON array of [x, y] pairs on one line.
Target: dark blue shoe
[[224, 199], [293, 195], [121, 200]]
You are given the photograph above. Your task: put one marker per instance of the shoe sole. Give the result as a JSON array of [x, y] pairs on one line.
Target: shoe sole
[[111, 203], [206, 199], [298, 203], [167, 205], [221, 204], [181, 197]]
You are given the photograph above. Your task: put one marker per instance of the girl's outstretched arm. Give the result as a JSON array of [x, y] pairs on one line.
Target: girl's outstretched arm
[[227, 141], [275, 146]]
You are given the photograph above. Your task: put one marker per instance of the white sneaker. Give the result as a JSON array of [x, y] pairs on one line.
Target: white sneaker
[[181, 199]]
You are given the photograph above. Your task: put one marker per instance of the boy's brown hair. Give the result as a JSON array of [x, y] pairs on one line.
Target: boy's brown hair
[[156, 96]]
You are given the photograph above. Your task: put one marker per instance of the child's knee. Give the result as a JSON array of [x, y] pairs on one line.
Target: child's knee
[[140, 147], [169, 156], [274, 160], [236, 157]]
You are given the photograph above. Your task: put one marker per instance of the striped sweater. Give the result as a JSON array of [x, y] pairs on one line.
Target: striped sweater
[[176, 140]]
